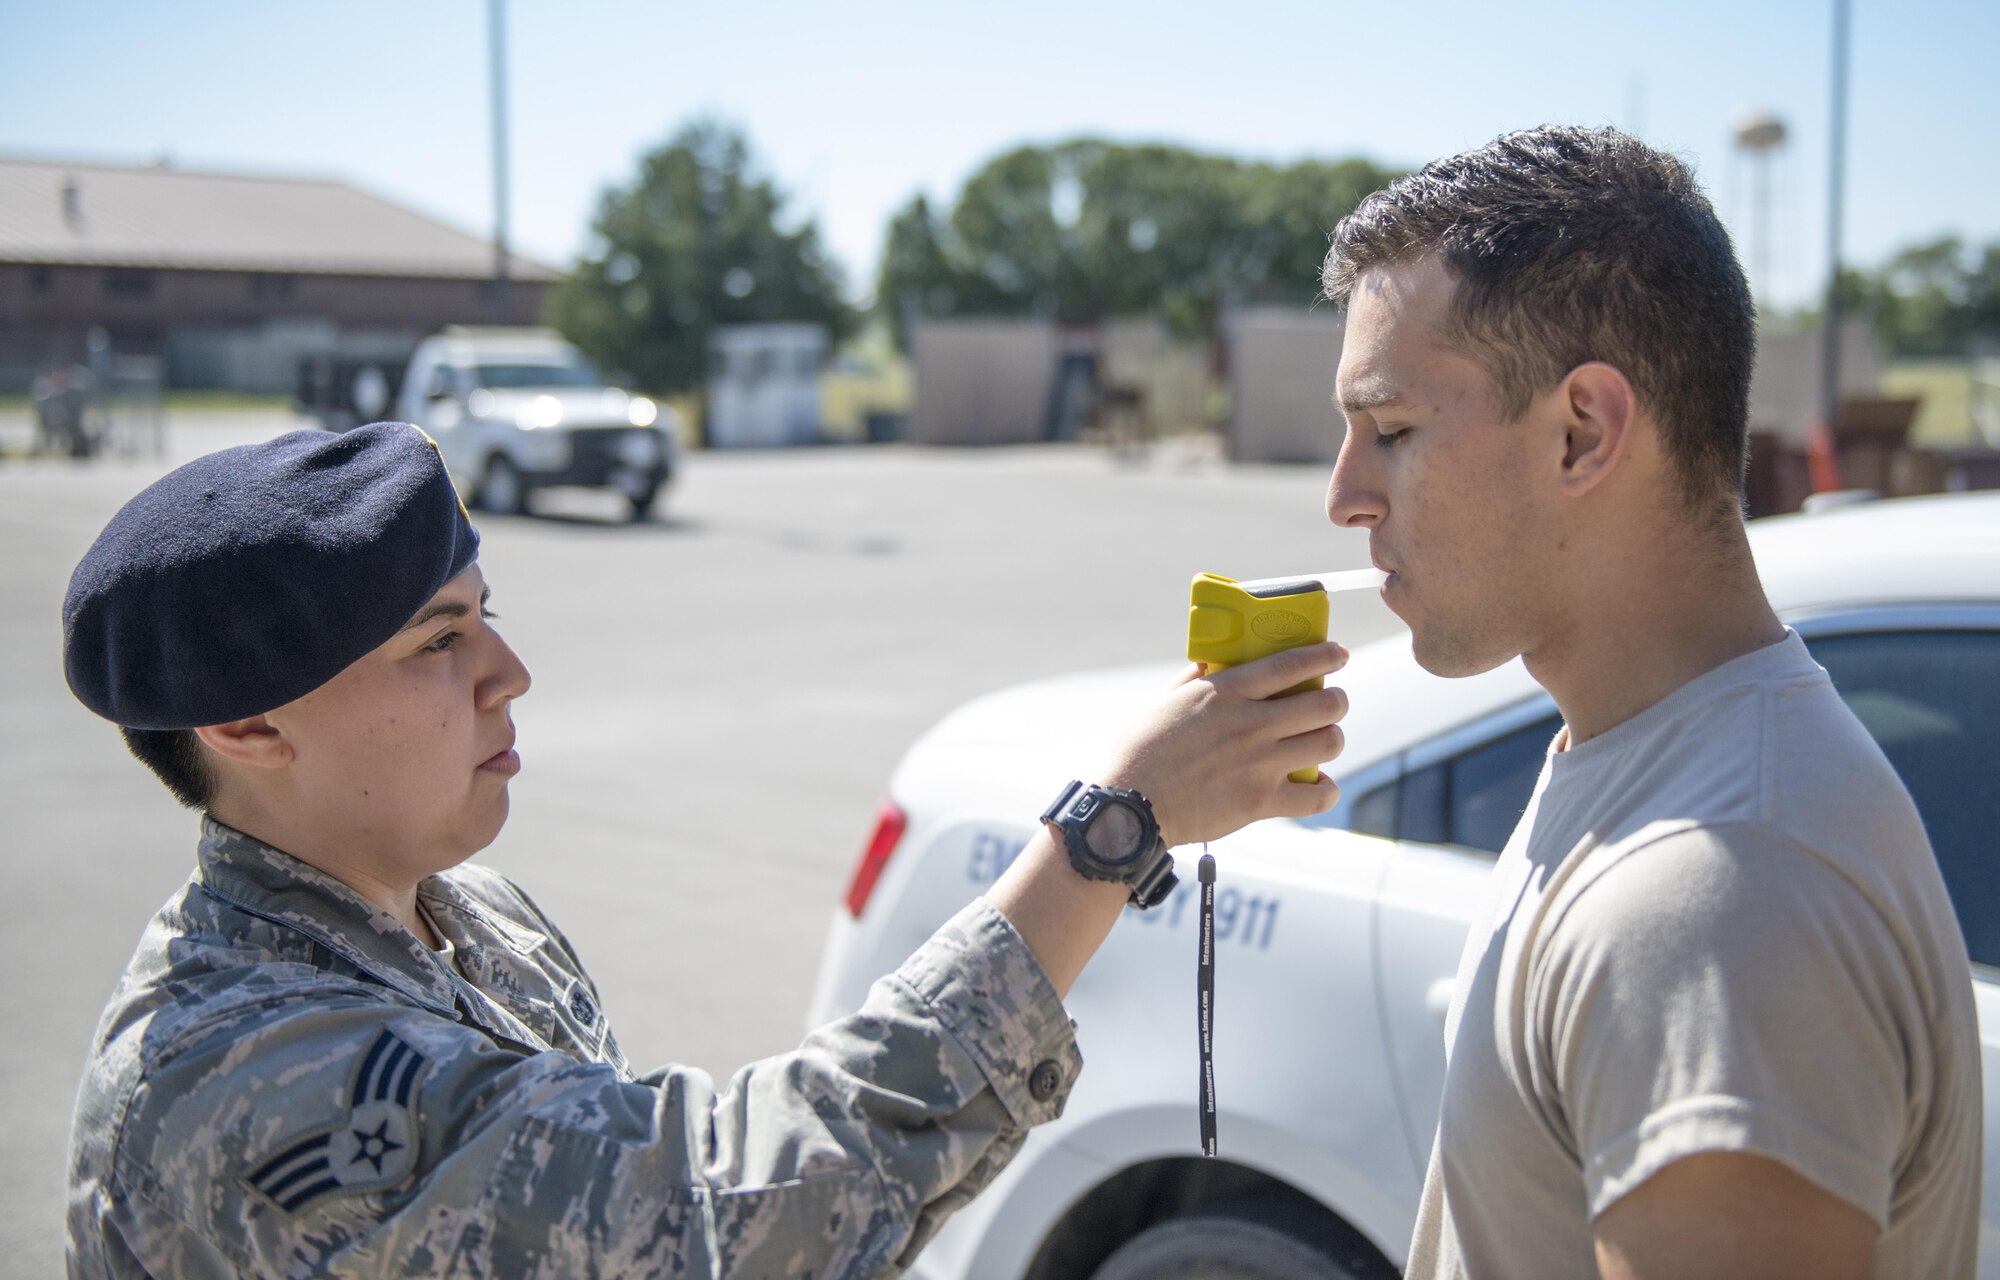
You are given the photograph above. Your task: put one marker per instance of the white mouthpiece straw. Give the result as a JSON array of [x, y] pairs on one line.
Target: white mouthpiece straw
[[1352, 580], [1345, 580]]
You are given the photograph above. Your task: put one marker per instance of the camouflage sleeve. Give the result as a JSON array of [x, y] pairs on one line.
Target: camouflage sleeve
[[346, 1137]]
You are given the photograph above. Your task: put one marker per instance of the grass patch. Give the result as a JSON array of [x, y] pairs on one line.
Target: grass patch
[[225, 401], [180, 401], [1944, 419]]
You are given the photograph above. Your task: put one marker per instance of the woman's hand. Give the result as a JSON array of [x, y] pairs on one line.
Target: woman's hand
[[1214, 755]]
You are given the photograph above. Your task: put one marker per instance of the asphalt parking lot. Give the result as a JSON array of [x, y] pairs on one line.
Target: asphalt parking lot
[[719, 698]]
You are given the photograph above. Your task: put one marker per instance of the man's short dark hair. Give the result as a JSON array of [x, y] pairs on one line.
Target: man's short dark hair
[[1569, 245], [175, 756]]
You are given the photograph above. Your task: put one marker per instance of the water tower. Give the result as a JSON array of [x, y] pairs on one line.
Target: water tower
[[1759, 134]]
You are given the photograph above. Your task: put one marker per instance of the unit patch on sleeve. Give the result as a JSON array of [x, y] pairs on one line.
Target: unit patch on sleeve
[[373, 1147]]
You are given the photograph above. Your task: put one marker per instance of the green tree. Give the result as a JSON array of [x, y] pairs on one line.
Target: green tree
[[1086, 229], [1292, 211], [1161, 230], [696, 241], [917, 276], [1932, 299], [1983, 295]]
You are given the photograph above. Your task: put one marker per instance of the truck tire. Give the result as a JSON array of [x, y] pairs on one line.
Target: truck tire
[[501, 489], [643, 503], [1222, 1243]]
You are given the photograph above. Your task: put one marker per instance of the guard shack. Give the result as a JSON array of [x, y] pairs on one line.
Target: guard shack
[[763, 385]]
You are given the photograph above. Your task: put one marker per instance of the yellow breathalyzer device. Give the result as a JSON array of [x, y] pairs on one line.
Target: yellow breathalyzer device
[[1231, 623]]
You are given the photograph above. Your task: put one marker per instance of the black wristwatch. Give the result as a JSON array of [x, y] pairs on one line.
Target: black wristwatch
[[1111, 835]]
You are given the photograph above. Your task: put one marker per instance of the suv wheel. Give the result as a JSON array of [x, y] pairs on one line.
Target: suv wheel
[[643, 502], [1221, 1245], [501, 488]]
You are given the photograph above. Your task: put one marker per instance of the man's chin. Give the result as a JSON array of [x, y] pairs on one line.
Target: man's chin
[[1453, 657]]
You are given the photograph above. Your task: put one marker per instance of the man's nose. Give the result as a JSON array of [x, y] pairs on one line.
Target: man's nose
[[1354, 496]]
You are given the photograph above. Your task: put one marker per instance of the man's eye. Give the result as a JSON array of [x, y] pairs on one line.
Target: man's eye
[[1390, 439], [442, 643]]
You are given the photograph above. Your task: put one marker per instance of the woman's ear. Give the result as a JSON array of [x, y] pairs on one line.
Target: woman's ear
[[254, 741], [1600, 405]]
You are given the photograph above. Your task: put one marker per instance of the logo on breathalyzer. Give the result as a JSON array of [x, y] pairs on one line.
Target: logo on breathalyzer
[[1277, 626]]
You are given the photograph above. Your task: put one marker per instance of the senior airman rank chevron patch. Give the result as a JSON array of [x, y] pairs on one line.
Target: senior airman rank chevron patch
[[374, 1146]]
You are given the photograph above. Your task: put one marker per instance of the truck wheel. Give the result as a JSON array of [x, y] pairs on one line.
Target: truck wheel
[[1221, 1245], [501, 488], [643, 503]]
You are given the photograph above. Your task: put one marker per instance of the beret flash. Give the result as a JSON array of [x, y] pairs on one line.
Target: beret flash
[[252, 576]]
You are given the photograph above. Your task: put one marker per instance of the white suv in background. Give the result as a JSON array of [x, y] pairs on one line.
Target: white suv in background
[[1337, 938], [514, 410]]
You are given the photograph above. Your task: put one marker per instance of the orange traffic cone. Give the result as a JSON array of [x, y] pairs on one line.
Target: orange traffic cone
[[1822, 460]]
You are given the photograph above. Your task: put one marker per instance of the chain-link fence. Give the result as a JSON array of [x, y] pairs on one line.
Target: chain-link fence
[[87, 400]]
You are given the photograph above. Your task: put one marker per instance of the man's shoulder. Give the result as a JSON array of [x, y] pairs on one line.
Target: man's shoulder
[[1750, 902], [1781, 755], [1791, 765], [1673, 870], [1828, 779]]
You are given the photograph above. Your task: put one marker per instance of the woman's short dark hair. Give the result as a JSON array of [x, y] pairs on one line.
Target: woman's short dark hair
[[175, 756], [1569, 245]]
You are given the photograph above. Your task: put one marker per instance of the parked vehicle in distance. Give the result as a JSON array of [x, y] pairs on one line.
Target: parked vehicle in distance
[[343, 391], [515, 410], [1337, 938]]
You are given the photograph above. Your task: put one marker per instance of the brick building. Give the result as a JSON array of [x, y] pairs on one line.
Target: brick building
[[230, 278]]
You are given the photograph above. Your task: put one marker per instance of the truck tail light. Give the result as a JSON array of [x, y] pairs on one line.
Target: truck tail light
[[889, 826]]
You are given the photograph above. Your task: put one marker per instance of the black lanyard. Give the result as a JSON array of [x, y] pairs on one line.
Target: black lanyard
[[1205, 986]]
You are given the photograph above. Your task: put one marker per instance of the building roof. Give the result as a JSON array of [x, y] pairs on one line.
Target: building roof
[[160, 216]]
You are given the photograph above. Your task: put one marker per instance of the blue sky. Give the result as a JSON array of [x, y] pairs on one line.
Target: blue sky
[[856, 106]]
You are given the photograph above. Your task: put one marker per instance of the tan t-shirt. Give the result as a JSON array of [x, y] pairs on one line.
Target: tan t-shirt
[[1718, 927]]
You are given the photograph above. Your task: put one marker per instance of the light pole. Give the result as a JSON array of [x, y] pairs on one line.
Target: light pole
[[496, 26], [1829, 362]]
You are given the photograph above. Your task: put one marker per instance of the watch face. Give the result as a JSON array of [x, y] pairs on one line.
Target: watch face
[[1116, 833]]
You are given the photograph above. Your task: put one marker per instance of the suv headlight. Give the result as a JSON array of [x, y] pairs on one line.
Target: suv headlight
[[641, 412], [542, 411]]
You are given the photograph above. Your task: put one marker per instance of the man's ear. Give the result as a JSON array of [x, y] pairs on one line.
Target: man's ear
[[1599, 406], [255, 742]]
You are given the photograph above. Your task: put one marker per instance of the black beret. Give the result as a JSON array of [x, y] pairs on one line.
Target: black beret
[[252, 576]]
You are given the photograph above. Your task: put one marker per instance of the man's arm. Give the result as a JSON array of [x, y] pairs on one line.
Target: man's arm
[[1733, 1214], [1728, 1026]]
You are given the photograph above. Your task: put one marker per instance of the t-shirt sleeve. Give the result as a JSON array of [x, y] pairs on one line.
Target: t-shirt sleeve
[[1725, 989]]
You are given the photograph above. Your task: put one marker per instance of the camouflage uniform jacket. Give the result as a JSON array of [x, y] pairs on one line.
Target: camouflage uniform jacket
[[288, 1083]]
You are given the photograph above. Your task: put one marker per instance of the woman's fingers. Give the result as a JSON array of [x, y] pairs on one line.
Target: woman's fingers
[[1272, 675], [1295, 713], [1304, 799]]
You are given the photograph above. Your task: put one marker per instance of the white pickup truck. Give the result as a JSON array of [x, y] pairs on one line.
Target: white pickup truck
[[1337, 939], [515, 410]]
